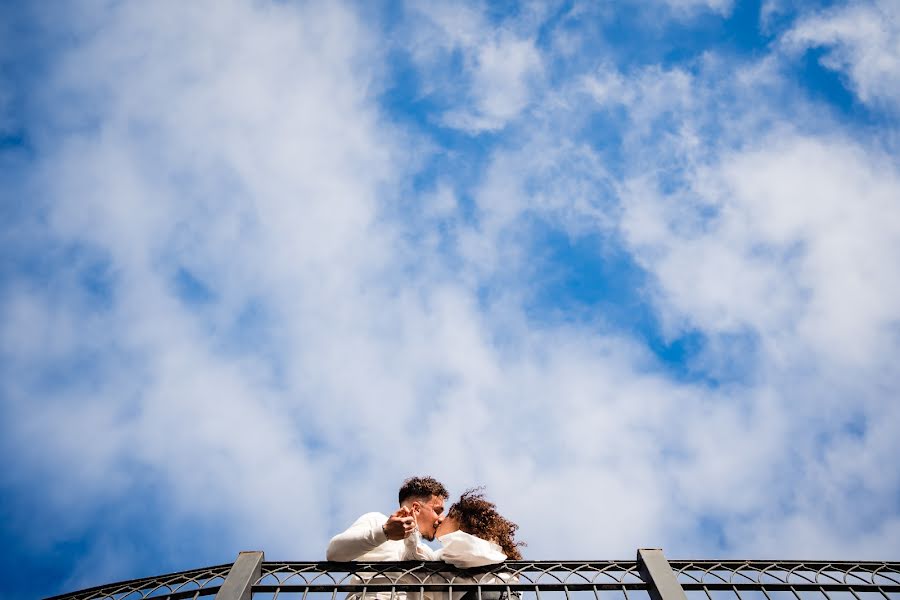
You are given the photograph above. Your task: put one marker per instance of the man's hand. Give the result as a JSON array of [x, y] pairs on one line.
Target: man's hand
[[399, 525]]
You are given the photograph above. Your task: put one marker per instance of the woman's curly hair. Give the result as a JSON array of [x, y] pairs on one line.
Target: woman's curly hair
[[479, 517]]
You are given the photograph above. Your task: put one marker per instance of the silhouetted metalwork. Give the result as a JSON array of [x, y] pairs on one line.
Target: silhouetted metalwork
[[173, 586], [648, 577]]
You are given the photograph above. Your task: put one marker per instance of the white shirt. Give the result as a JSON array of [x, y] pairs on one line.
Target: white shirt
[[365, 541], [459, 548], [464, 551]]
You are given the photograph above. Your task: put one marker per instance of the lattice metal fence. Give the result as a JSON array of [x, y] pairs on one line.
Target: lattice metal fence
[[650, 577], [788, 580], [172, 586], [438, 581]]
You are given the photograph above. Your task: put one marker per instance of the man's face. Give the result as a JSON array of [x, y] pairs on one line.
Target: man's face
[[429, 515]]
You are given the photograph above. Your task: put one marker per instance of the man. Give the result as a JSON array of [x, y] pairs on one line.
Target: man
[[376, 537]]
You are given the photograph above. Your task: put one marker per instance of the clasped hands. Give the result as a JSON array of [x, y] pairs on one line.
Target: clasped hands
[[400, 524]]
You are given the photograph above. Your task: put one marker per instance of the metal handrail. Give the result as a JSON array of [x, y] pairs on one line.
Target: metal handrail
[[193, 583], [650, 575]]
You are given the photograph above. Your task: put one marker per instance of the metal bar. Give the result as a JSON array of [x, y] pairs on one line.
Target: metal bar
[[440, 587], [182, 595], [656, 572], [244, 572], [102, 589], [787, 587]]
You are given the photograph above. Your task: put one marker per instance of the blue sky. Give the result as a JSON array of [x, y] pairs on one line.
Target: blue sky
[[631, 266]]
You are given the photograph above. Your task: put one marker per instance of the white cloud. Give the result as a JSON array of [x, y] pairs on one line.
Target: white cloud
[[689, 8], [790, 241], [238, 143], [795, 239], [862, 42], [780, 248], [500, 84], [499, 66]]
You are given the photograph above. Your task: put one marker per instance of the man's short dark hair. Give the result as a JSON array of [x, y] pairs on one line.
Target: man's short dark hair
[[422, 488]]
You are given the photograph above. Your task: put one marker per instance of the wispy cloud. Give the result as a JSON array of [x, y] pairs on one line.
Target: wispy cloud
[[861, 41], [492, 69]]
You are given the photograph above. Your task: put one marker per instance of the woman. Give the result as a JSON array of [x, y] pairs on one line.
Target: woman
[[473, 534], [474, 516]]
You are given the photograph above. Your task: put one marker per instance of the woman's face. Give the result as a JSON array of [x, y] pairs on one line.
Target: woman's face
[[448, 525]]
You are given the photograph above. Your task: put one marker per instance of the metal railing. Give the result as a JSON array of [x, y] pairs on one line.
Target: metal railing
[[650, 577]]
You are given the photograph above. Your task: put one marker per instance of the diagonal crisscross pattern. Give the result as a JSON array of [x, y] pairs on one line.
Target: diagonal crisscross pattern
[[791, 580], [173, 586], [526, 580]]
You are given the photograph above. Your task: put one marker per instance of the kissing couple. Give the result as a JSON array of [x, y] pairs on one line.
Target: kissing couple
[[472, 533]]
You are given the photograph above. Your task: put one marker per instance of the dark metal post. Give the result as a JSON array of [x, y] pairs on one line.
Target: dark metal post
[[660, 579], [245, 570]]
